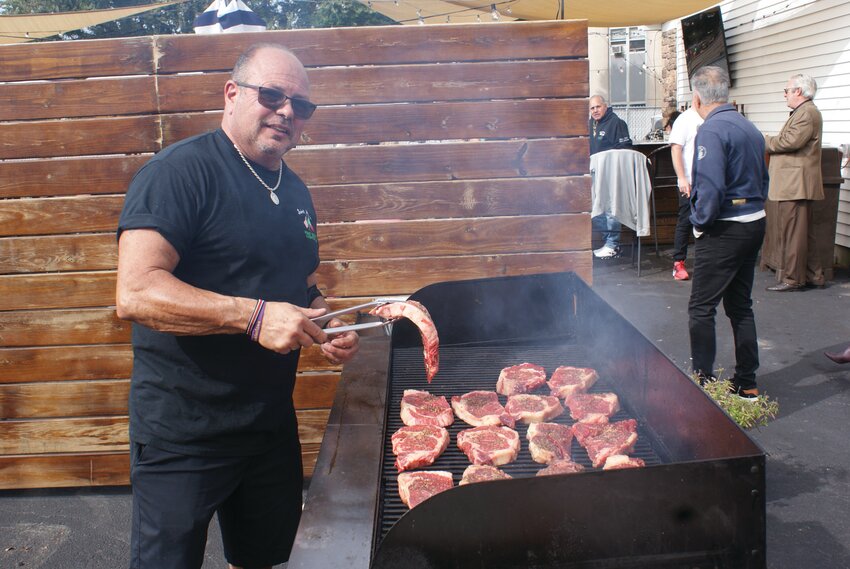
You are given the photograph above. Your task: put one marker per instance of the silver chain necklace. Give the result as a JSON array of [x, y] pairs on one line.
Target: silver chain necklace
[[272, 190]]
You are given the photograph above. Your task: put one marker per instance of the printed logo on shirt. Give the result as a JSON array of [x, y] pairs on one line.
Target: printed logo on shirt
[[309, 228], [601, 134], [700, 152]]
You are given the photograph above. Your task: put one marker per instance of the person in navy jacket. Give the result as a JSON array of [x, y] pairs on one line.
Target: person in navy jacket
[[607, 132], [730, 184]]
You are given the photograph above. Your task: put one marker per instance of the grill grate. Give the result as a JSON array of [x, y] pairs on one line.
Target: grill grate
[[468, 368]]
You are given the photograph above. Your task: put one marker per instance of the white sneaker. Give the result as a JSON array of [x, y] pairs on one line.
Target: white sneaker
[[605, 252]]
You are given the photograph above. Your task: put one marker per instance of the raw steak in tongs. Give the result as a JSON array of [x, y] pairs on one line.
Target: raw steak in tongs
[[418, 314]]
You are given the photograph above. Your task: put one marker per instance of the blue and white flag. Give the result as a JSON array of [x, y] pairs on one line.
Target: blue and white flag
[[222, 16]]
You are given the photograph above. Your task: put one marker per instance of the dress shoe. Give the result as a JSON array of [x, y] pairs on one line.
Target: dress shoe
[[842, 358], [814, 285], [784, 287]]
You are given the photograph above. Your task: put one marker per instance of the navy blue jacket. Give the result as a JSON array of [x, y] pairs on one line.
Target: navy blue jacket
[[729, 172], [608, 133]]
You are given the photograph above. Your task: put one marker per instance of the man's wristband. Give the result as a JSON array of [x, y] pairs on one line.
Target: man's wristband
[[255, 323]]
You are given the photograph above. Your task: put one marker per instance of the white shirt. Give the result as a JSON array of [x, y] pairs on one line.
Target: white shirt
[[683, 133]]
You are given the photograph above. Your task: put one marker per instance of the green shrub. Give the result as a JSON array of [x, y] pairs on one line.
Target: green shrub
[[748, 414]]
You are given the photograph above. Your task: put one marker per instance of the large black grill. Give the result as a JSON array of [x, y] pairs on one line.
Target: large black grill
[[699, 502]]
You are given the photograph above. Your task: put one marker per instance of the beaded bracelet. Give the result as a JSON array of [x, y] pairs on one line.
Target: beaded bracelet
[[255, 323]]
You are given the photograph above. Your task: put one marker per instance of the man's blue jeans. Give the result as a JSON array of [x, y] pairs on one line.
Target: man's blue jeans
[[609, 228]]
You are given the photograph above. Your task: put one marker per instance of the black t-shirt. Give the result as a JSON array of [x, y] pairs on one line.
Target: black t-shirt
[[219, 394]]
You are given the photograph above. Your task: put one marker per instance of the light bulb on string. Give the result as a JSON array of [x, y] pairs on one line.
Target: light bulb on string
[[493, 12], [508, 9], [478, 18], [421, 21]]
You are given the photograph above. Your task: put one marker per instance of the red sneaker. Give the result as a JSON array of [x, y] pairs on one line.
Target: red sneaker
[[679, 271]]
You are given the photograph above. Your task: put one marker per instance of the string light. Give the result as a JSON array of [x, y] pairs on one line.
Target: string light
[[494, 12], [419, 15]]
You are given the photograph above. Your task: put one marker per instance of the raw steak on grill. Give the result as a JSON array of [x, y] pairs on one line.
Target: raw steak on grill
[[520, 378], [482, 473], [418, 314], [533, 408], [549, 442], [416, 487], [489, 445], [566, 466], [567, 380], [480, 408], [422, 408], [593, 407], [419, 445], [603, 440], [618, 461]]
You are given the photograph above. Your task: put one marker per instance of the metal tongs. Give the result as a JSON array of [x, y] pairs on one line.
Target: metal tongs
[[325, 318]]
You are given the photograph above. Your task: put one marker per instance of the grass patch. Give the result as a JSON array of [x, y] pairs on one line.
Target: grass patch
[[748, 414]]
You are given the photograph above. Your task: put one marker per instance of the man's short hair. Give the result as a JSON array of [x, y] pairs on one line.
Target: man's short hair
[[712, 84], [240, 68], [808, 86], [601, 99]]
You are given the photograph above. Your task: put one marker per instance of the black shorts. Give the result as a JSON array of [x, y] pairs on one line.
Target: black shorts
[[257, 498]]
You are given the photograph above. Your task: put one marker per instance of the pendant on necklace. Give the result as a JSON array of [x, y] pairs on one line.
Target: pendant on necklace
[[274, 198]]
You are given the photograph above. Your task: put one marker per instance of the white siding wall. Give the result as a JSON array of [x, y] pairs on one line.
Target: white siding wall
[[770, 40]]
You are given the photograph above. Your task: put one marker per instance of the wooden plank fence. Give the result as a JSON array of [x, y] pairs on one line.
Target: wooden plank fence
[[438, 153]]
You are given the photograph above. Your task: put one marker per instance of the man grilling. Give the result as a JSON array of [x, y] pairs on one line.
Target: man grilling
[[730, 184], [607, 132], [217, 259]]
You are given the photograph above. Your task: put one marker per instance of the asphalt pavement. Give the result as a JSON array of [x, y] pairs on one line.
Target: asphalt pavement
[[808, 446]]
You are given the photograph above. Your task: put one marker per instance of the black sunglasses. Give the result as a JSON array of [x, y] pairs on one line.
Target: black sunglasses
[[274, 99]]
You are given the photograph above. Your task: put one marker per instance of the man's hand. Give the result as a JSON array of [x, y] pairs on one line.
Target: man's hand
[[684, 187], [287, 327], [342, 347]]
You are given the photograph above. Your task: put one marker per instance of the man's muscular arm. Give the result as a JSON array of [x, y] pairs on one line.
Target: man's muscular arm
[[148, 293]]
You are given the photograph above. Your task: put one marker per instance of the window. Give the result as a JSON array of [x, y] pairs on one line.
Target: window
[[627, 57]]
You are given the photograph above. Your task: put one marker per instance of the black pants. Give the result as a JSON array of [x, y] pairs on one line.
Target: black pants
[[257, 499], [725, 262], [684, 229]]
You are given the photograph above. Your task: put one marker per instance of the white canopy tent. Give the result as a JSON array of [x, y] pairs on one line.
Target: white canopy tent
[[597, 13]]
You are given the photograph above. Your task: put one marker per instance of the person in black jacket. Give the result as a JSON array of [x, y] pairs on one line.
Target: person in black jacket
[[729, 187], [607, 132]]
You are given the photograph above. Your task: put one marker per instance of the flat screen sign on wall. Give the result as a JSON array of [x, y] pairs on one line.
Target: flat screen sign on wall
[[705, 41]]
